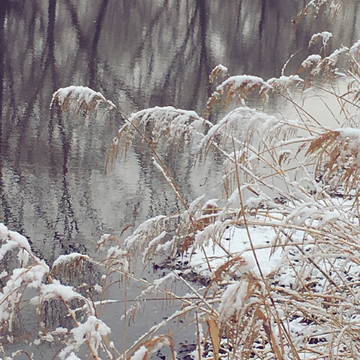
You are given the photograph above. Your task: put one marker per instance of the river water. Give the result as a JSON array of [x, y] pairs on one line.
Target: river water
[[138, 54]]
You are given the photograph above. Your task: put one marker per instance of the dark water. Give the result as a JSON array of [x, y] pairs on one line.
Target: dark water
[[139, 54]]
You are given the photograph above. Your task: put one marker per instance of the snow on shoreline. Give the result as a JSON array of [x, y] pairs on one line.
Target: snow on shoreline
[[236, 242], [272, 258]]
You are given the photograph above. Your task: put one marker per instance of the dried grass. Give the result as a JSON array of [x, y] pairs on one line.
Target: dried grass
[[231, 92], [315, 8], [166, 124], [336, 153], [295, 180]]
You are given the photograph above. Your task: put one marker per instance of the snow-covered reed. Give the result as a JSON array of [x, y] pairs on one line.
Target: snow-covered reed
[[279, 253]]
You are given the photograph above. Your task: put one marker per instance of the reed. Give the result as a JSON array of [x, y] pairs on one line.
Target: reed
[[292, 182]]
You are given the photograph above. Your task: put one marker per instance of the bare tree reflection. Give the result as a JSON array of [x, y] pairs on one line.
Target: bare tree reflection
[[3, 12], [139, 54]]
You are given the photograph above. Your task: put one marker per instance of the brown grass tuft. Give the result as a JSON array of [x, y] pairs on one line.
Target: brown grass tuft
[[231, 92]]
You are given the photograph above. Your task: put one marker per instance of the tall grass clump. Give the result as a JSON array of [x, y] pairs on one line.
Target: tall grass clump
[[278, 253]]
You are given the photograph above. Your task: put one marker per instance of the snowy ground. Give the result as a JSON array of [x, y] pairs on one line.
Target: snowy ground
[[236, 242], [286, 267]]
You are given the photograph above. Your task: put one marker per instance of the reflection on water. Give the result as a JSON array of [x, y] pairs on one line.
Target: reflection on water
[[138, 54]]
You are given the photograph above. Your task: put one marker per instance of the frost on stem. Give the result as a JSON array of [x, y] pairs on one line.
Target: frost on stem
[[219, 71], [315, 7], [145, 233], [70, 263], [25, 276], [247, 126], [14, 240], [117, 258], [232, 91], [152, 246], [323, 36], [63, 259], [326, 66], [311, 60], [193, 221], [140, 300], [232, 300], [54, 291], [240, 307], [34, 274], [154, 125], [91, 331], [82, 100], [337, 158], [354, 53], [279, 85], [144, 351], [211, 232]]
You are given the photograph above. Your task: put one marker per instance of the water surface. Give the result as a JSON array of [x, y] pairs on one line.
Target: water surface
[[139, 54]]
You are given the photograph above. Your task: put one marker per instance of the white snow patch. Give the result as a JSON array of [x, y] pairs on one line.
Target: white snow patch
[[355, 51], [20, 240], [83, 93], [350, 133], [236, 242], [72, 356], [232, 299], [70, 257], [55, 290], [139, 353], [310, 60], [221, 67], [241, 79], [4, 231], [324, 36], [61, 330]]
